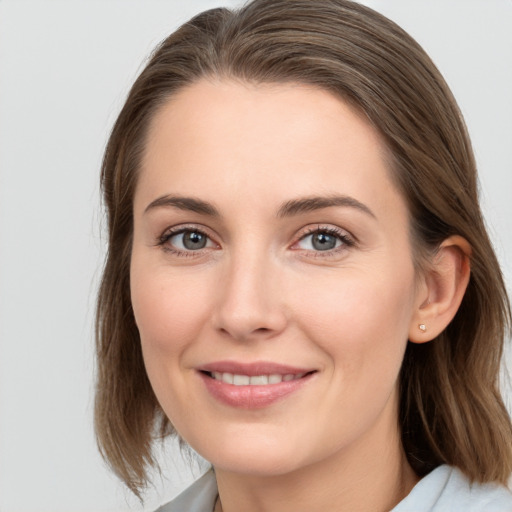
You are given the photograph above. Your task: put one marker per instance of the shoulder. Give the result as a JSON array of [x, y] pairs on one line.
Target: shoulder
[[199, 497], [447, 489]]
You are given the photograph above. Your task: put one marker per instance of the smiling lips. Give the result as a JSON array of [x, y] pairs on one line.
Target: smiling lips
[[256, 380], [252, 386]]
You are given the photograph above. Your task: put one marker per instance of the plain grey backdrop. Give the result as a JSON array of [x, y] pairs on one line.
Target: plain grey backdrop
[[65, 68]]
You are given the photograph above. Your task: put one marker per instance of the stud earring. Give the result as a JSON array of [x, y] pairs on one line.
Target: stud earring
[[422, 327]]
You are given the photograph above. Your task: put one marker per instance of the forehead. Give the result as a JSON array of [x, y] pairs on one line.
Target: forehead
[[230, 139]]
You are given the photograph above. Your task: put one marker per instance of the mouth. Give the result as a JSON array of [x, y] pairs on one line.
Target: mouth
[[254, 380], [253, 385]]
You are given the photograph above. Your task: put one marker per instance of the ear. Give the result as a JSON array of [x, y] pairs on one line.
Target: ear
[[443, 286]]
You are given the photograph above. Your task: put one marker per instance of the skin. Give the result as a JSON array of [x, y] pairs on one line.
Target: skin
[[260, 291]]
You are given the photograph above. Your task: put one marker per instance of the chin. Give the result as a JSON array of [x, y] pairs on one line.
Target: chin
[[254, 455], [257, 465]]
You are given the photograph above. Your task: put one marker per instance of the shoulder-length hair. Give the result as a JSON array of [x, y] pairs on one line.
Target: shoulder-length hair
[[451, 410]]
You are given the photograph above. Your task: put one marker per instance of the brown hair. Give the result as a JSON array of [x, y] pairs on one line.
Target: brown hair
[[451, 410]]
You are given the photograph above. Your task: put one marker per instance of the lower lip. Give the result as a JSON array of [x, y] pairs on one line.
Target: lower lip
[[251, 397]]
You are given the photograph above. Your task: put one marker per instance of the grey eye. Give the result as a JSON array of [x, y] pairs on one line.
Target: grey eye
[[189, 240], [320, 241], [323, 241]]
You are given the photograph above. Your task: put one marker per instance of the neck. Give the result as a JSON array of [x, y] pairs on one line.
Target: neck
[[372, 475]]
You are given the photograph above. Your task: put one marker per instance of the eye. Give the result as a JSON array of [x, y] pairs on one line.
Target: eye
[[324, 239], [319, 241], [189, 240], [185, 240]]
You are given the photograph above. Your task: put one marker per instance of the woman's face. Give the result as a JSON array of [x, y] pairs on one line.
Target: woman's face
[[272, 277]]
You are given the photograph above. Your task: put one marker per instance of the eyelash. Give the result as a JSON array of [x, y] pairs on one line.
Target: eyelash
[[168, 234], [346, 240]]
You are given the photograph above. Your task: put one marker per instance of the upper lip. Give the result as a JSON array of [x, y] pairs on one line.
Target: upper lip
[[253, 369]]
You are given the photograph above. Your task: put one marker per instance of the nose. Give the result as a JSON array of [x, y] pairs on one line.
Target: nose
[[250, 303]]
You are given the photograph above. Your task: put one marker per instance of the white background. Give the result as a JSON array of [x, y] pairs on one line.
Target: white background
[[65, 68]]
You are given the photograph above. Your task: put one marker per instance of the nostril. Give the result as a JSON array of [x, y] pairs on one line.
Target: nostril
[[245, 323]]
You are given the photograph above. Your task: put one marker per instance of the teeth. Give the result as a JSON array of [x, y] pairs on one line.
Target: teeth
[[227, 378], [256, 380], [259, 380], [241, 380]]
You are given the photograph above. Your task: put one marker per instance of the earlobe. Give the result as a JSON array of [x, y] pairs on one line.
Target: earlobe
[[445, 282]]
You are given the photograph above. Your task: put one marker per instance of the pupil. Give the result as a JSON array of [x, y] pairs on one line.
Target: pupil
[[193, 240], [323, 242]]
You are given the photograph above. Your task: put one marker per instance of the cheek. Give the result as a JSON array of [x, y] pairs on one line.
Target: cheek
[[361, 321], [169, 312]]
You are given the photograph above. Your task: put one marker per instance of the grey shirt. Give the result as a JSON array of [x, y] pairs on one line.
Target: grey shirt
[[445, 489]]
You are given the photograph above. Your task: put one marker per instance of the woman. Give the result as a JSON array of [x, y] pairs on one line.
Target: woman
[[299, 282]]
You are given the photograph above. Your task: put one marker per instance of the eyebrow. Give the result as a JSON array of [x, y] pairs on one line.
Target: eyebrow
[[288, 209], [309, 204], [190, 204]]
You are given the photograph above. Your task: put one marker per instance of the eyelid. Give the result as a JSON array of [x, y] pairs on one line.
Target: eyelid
[[168, 233], [346, 238]]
